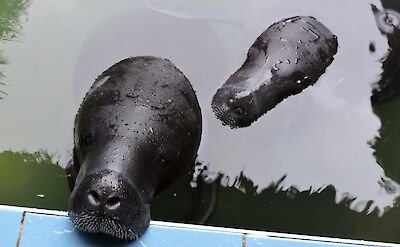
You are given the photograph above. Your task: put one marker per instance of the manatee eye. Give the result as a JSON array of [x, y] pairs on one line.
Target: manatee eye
[[88, 138], [239, 111]]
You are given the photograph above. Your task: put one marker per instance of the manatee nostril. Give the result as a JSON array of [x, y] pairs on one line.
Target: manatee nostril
[[112, 202], [94, 197], [239, 111]]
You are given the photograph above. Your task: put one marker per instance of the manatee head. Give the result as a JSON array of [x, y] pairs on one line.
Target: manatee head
[[235, 106]]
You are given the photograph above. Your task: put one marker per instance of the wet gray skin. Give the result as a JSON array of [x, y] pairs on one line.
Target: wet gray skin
[[138, 127], [284, 60]]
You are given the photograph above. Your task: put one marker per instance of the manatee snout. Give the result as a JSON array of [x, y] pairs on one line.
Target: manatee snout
[[107, 202], [232, 110]]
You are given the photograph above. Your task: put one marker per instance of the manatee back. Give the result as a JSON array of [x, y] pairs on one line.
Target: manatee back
[[298, 45], [148, 82]]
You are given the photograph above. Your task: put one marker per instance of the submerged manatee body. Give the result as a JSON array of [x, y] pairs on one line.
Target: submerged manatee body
[[284, 60], [138, 127]]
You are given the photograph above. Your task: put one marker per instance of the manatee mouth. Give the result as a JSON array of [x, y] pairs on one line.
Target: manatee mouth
[[225, 118], [97, 223]]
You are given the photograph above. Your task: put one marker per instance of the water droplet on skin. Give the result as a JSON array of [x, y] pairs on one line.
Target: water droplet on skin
[[174, 194], [275, 68], [298, 81], [169, 101], [287, 61], [296, 61], [40, 195], [300, 41], [151, 130]]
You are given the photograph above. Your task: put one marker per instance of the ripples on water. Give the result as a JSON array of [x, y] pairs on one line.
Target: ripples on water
[[328, 135]]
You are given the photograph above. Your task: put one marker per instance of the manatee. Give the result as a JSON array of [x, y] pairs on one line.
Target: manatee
[[284, 60], [138, 127]]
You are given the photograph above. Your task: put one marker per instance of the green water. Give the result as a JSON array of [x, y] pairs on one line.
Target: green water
[[323, 163], [387, 146], [32, 180]]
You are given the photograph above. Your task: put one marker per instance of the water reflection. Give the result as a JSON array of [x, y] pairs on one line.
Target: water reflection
[[388, 20], [275, 208], [207, 10], [32, 180], [11, 20], [3, 61], [316, 139], [385, 95], [388, 88]]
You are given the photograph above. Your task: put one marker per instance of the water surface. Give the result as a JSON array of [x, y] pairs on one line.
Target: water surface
[[322, 162]]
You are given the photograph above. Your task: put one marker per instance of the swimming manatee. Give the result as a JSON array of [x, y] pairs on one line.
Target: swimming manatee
[[284, 60]]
